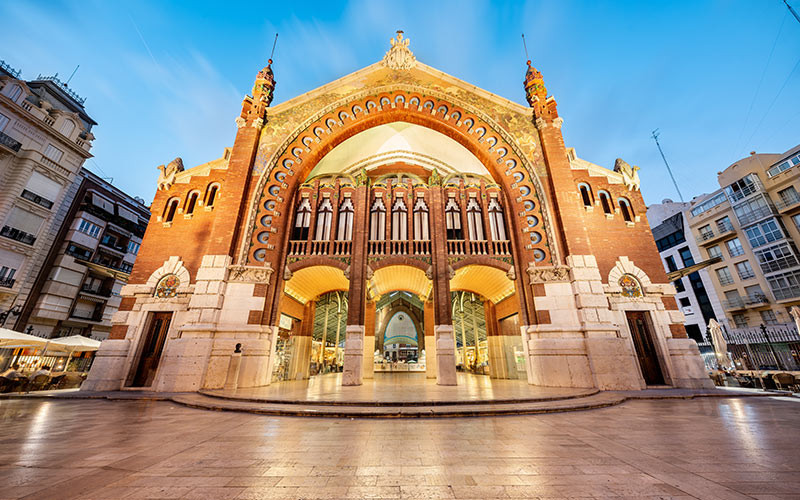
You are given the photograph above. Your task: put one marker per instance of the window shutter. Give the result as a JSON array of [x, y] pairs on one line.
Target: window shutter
[[24, 221], [43, 186]]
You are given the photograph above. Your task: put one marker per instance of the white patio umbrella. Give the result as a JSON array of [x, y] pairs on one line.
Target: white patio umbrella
[[10, 339], [720, 345], [73, 344]]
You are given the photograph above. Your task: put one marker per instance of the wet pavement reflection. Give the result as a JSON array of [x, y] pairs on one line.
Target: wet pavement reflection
[[705, 448]]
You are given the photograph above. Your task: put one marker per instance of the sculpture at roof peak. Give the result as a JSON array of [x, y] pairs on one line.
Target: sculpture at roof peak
[[399, 56]]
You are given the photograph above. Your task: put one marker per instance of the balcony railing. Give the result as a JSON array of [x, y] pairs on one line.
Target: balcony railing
[[755, 215], [100, 292], [8, 69], [744, 192], [746, 275], [7, 282], [745, 302], [788, 201], [39, 200], [10, 143], [16, 234]]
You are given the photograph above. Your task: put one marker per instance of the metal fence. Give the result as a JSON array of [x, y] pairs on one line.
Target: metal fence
[[774, 347]]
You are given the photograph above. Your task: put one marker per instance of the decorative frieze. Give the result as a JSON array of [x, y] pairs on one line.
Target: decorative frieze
[[250, 274], [547, 274]]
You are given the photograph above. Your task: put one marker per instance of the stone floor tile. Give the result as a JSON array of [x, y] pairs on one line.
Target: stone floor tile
[[213, 493]]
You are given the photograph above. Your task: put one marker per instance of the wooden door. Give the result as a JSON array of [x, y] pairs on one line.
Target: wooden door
[[151, 349], [644, 342]]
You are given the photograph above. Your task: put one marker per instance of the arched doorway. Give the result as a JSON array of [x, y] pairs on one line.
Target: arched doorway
[[313, 311]]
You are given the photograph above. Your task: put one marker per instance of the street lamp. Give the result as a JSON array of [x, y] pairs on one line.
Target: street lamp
[[771, 350], [16, 311]]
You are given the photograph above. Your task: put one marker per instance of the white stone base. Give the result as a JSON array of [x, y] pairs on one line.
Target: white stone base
[[110, 366], [687, 365], [445, 355], [352, 373]]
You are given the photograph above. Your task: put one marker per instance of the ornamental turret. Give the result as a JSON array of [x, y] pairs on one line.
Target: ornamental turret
[[254, 109], [536, 94]]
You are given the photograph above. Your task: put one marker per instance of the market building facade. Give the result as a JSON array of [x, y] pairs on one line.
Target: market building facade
[[420, 219]]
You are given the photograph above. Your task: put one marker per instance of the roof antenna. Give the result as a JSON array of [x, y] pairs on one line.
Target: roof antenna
[[655, 135], [273, 48], [73, 74], [525, 46]]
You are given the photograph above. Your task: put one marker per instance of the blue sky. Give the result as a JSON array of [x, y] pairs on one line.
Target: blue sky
[[166, 79]]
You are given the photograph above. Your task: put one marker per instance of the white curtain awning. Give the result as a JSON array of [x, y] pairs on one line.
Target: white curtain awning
[[127, 214], [103, 203]]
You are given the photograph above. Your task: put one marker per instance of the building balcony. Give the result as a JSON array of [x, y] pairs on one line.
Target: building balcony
[[7, 282], [744, 192], [744, 302], [788, 203], [789, 293], [94, 318], [755, 215], [10, 143], [107, 243], [708, 237]]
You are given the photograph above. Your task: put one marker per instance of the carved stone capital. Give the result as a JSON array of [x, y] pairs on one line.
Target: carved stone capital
[[558, 122], [512, 273], [249, 274], [258, 123], [287, 274], [548, 274], [240, 122], [429, 273], [370, 273]]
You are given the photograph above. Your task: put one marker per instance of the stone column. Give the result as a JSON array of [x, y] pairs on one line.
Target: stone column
[[354, 333]]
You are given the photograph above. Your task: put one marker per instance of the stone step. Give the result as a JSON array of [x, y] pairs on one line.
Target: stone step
[[306, 409]]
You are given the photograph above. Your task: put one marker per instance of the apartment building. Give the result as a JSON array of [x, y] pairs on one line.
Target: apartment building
[[45, 137], [77, 290], [752, 223], [697, 295]]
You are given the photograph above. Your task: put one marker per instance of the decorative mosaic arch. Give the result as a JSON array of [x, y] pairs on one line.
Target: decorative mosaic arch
[[279, 175]]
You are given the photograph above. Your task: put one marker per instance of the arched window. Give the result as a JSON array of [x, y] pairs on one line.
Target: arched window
[[586, 194], [67, 127], [169, 210], [605, 200], [452, 215], [345, 226], [191, 201], [324, 219], [421, 232], [399, 220], [377, 220], [302, 220], [15, 92], [211, 194], [475, 220], [626, 209], [496, 222]]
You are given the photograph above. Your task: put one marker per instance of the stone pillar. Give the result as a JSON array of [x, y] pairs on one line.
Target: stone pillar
[[430, 340], [354, 333], [368, 368]]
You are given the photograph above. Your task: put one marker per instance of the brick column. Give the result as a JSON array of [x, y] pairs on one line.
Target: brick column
[[443, 321], [368, 368], [354, 333], [430, 339], [301, 357]]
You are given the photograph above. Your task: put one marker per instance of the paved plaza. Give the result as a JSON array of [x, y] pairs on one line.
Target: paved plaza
[[726, 448]]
